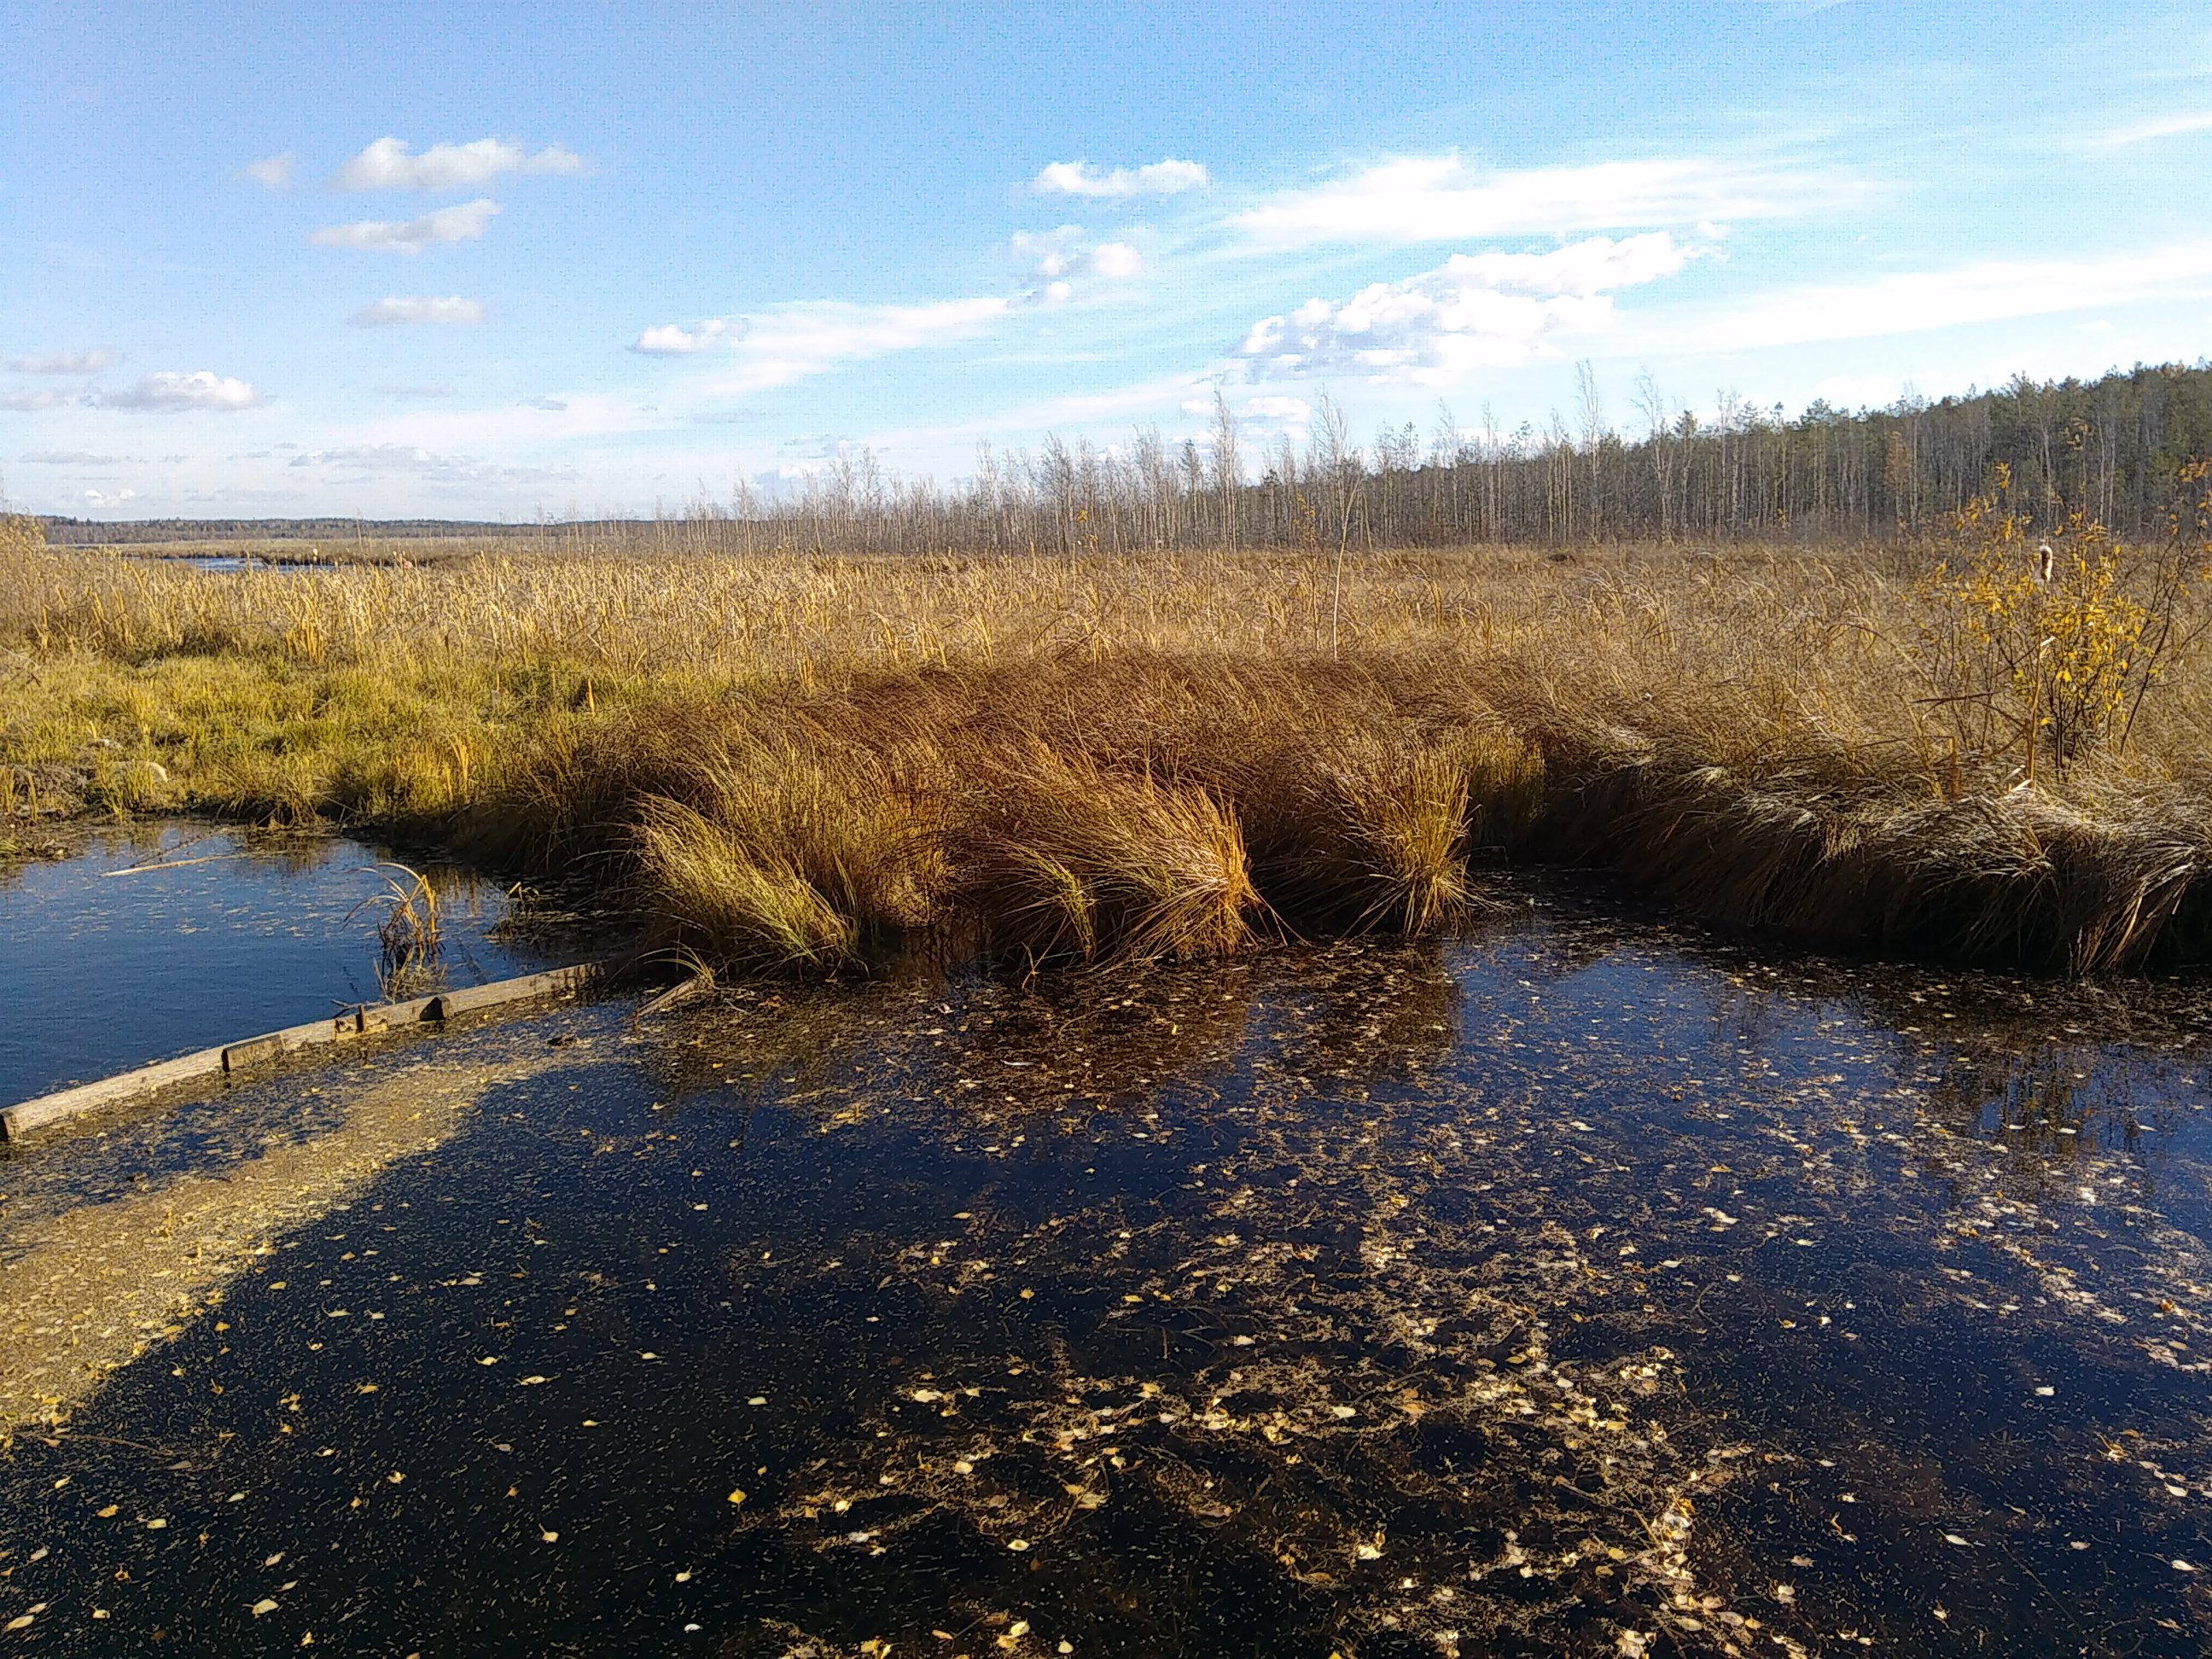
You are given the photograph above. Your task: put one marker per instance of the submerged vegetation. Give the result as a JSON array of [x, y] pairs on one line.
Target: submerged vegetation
[[1995, 745]]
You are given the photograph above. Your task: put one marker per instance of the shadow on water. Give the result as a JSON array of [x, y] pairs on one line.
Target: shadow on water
[[1578, 1288]]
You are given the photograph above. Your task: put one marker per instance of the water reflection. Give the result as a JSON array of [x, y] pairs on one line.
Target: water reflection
[[1579, 1289], [160, 937]]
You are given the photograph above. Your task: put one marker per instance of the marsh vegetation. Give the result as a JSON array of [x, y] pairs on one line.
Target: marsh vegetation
[[1991, 744]]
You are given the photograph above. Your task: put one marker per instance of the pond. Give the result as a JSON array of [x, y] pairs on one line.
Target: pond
[[164, 937], [1572, 1287]]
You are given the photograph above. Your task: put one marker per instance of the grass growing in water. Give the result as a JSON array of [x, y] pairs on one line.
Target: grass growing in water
[[803, 761]]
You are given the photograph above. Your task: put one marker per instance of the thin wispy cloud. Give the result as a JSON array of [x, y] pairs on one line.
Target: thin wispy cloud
[[421, 308], [1477, 311], [388, 164], [2164, 126], [70, 458], [1166, 178], [62, 362], [1910, 302], [1440, 198], [272, 172], [776, 348], [204, 390], [404, 390], [465, 222]]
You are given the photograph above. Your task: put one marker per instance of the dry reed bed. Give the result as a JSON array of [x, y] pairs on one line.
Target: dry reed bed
[[794, 760]]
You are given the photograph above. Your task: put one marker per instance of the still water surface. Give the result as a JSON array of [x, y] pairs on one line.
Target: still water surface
[[214, 935], [1575, 1287]]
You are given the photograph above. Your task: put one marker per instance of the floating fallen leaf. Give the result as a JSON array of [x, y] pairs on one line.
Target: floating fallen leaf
[[531, 1381], [108, 1513], [155, 1524], [264, 1604], [737, 1495], [684, 1576], [2180, 1565], [550, 1537], [489, 1360], [1017, 1543], [1953, 1538], [2046, 1391], [395, 1477]]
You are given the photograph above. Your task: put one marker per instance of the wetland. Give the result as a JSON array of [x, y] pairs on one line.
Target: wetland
[[1572, 1284]]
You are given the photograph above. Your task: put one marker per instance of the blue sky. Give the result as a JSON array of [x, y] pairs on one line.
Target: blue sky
[[487, 261]]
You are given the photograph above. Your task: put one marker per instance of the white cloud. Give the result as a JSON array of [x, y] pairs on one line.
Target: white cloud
[[1167, 178], [415, 390], [99, 498], [274, 172], [2163, 126], [776, 348], [461, 223], [430, 464], [1477, 311], [1291, 409], [63, 362], [671, 340], [70, 458], [420, 309], [44, 397], [388, 165], [203, 390], [1117, 262], [1058, 254], [1439, 198], [1912, 302]]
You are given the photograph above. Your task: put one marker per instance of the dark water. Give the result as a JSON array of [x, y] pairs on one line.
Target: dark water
[[238, 934], [1577, 1289], [232, 563]]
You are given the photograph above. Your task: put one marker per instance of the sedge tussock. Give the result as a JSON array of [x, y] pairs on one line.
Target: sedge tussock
[[806, 758]]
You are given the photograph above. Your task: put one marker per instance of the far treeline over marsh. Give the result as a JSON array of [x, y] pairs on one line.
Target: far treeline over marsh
[[1961, 713]]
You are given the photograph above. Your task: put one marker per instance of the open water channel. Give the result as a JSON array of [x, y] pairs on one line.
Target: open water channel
[[1572, 1286]]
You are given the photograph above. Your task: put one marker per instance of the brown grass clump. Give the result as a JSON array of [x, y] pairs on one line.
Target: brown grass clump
[[809, 760], [1059, 855]]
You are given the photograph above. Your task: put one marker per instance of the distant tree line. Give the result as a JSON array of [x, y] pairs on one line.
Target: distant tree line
[[2111, 447]]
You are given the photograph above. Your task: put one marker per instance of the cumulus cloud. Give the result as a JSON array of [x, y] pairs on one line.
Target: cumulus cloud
[[43, 398], [673, 340], [1117, 262], [776, 348], [1058, 254], [421, 308], [462, 223], [1166, 178], [203, 390], [1476, 310], [63, 362], [387, 164], [1440, 198], [273, 172]]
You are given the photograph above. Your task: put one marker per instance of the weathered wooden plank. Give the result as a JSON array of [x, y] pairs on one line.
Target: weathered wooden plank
[[559, 983], [21, 1120]]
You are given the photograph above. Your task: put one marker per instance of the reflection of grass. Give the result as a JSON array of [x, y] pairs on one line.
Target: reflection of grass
[[807, 760]]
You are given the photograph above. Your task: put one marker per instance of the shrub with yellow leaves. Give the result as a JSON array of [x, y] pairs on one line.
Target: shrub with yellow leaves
[[2046, 648]]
